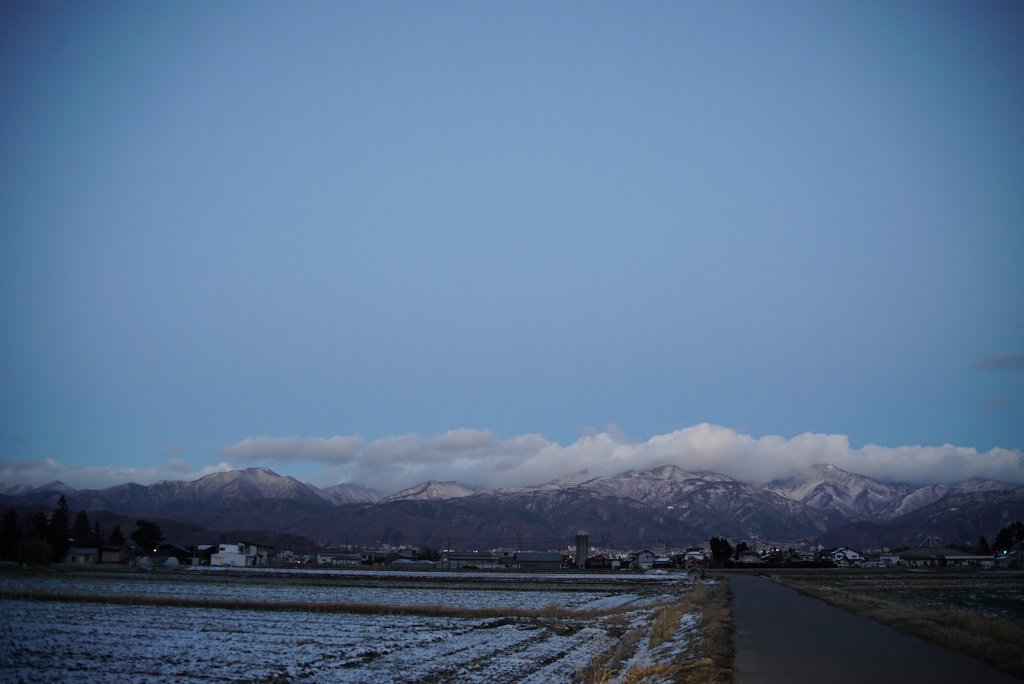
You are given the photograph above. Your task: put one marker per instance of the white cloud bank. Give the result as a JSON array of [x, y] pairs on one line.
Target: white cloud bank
[[477, 458]]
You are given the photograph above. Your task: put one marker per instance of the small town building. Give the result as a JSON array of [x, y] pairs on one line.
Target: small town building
[[241, 553], [182, 555], [409, 564], [470, 560], [642, 560], [941, 556], [599, 562], [1012, 559], [748, 558], [80, 556], [114, 555], [889, 560], [538, 560], [377, 557], [844, 556], [346, 559], [693, 555]]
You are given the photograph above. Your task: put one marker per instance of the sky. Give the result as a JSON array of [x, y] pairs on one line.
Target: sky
[[508, 243]]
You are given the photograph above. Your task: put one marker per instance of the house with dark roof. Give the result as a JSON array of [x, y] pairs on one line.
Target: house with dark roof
[[748, 558], [472, 560], [602, 562], [538, 560], [642, 560], [845, 556], [80, 555], [1011, 559], [942, 556], [339, 559]]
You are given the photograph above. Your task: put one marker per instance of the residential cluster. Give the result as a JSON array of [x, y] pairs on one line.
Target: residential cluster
[[931, 555], [55, 538]]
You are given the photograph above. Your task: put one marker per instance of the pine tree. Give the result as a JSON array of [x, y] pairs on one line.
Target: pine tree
[[116, 538], [147, 536], [1008, 536], [60, 521], [983, 549], [721, 549], [81, 530], [10, 535], [40, 527]]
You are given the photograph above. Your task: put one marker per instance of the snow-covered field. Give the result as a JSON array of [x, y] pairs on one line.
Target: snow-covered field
[[73, 641], [505, 590]]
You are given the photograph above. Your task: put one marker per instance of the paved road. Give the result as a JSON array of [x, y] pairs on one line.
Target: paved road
[[783, 636]]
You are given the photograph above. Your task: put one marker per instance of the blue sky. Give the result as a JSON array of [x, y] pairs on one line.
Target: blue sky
[[303, 225]]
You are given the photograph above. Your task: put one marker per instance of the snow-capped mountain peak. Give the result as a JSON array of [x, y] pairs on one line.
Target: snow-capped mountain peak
[[829, 488], [978, 484], [431, 490], [20, 489], [349, 493]]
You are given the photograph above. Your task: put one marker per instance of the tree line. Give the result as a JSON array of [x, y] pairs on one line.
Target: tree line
[[1008, 537], [46, 539]]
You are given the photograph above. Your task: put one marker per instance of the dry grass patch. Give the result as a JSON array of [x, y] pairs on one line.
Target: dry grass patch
[[606, 664], [652, 650]]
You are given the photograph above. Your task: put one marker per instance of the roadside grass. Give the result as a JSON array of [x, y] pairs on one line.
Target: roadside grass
[[701, 656], [920, 610]]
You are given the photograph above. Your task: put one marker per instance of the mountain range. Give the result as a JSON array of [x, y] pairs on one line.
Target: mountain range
[[657, 507]]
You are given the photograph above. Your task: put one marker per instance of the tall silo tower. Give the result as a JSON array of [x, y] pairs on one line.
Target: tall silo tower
[[582, 548]]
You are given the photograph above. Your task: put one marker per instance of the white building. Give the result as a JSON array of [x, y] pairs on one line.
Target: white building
[[241, 554], [845, 556], [339, 559], [644, 560], [80, 556]]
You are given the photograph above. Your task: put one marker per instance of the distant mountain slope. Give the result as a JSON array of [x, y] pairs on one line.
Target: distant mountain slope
[[957, 518], [858, 498], [979, 484], [828, 488], [431, 490], [212, 491], [963, 516], [658, 486], [43, 495], [911, 501], [349, 493], [654, 507], [716, 503], [22, 489]]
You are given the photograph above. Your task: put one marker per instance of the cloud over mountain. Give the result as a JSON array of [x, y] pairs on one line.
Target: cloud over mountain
[[338, 450], [479, 458], [41, 471]]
